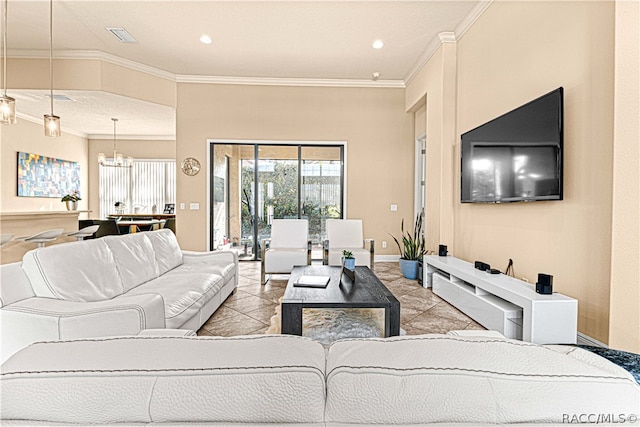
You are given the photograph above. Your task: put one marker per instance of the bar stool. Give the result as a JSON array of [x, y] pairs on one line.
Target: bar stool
[[41, 238], [85, 232], [4, 238]]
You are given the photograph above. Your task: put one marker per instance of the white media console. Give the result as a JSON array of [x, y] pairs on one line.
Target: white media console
[[503, 303]]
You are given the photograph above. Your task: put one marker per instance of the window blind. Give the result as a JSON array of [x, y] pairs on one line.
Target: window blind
[[146, 183]]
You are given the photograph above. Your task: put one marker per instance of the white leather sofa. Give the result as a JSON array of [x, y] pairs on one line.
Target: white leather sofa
[[116, 285], [267, 380]]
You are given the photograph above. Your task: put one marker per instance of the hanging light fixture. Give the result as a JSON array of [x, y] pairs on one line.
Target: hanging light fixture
[[51, 121], [118, 158], [7, 103]]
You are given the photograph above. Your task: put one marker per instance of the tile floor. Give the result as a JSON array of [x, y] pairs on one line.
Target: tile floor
[[249, 311]]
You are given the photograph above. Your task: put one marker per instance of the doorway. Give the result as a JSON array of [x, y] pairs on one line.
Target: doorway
[[254, 183]]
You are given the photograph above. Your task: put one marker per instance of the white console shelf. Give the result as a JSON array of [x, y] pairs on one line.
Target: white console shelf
[[502, 303]]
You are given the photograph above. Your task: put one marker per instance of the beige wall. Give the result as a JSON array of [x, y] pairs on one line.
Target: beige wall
[[90, 74], [624, 324], [379, 136], [138, 149], [427, 88], [29, 137], [515, 52]]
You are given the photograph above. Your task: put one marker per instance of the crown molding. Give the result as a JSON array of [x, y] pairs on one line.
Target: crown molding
[[277, 81], [93, 55], [444, 37], [449, 37], [39, 121], [100, 136], [472, 17], [186, 78]]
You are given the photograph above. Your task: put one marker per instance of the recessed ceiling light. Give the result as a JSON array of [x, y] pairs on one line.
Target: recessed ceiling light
[[205, 39], [377, 44]]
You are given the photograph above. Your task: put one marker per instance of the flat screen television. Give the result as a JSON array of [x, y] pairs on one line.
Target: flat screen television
[[516, 157]]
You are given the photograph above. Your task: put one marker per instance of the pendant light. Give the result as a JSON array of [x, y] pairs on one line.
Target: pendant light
[[7, 103], [51, 121], [118, 158]]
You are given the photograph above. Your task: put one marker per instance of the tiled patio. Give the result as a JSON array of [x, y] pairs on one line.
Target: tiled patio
[[249, 311]]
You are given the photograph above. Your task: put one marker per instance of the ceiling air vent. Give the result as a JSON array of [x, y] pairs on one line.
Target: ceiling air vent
[[59, 97], [122, 35]]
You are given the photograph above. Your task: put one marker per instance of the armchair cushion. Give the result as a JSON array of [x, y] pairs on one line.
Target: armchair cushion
[[345, 233], [289, 233], [283, 260], [362, 256]]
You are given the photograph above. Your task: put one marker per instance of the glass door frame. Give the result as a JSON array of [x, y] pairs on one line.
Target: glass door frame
[[256, 145]]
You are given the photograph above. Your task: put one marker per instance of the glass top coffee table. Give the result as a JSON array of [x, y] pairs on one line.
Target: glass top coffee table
[[367, 292]]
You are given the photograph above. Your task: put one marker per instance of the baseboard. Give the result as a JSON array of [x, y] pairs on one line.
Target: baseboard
[[386, 258], [587, 340]]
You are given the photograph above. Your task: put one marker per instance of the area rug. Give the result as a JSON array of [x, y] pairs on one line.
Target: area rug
[[626, 360], [327, 325]]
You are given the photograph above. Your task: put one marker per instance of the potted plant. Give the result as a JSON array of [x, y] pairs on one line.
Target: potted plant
[[71, 200], [348, 261], [412, 249]]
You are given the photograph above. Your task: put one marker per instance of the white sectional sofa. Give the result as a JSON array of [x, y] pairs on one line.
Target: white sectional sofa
[[267, 380], [116, 285]]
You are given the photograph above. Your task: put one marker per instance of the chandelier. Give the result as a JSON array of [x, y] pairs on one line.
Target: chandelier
[[7, 103], [51, 121], [118, 158]]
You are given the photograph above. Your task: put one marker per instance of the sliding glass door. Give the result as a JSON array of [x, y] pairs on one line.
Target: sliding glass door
[[321, 181], [253, 184]]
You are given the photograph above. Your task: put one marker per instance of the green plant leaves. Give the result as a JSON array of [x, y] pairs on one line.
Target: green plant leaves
[[413, 244]]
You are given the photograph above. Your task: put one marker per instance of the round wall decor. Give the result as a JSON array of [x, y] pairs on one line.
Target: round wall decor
[[190, 166]]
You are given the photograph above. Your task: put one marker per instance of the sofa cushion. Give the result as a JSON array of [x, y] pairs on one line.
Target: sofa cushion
[[77, 271], [269, 379], [183, 292], [20, 287], [225, 271], [135, 258], [283, 260], [166, 248], [447, 379]]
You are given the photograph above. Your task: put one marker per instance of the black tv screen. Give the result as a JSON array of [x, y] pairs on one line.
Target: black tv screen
[[516, 157]]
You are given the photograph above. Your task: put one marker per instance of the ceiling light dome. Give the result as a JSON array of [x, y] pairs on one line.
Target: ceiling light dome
[[206, 39], [377, 44]]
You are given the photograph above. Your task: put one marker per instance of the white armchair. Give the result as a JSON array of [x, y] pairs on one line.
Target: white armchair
[[347, 234], [288, 246]]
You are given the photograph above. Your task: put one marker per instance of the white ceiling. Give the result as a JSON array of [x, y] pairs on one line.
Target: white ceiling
[[319, 40]]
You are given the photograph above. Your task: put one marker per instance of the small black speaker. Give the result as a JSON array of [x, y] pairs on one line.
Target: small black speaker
[[483, 266], [544, 285], [442, 250]]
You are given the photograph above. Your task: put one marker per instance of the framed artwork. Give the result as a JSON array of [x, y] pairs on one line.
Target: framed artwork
[[169, 208], [42, 176]]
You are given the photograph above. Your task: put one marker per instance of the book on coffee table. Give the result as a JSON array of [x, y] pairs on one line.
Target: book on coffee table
[[312, 281]]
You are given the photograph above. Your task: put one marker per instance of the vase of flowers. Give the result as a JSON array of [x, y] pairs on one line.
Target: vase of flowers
[[71, 200]]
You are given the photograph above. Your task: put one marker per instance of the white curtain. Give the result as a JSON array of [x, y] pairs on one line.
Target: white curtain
[[146, 183]]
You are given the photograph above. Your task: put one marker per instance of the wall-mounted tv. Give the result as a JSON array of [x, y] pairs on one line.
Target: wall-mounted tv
[[516, 157]]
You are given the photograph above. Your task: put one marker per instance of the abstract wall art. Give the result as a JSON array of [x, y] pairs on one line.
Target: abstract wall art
[[41, 176]]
